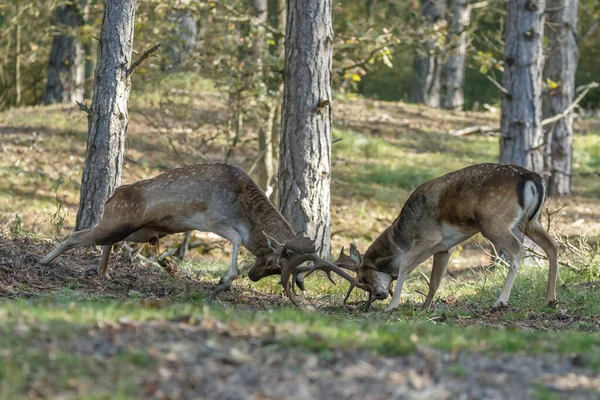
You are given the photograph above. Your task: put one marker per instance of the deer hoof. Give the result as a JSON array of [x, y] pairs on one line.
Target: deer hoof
[[104, 275], [498, 306], [552, 303]]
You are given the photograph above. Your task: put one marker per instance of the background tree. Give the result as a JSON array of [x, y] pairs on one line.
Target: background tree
[[265, 132], [108, 118], [561, 66], [66, 67], [428, 61], [459, 16], [522, 139], [305, 148]]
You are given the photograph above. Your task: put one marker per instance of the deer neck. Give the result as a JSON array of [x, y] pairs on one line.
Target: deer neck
[[386, 251], [264, 217]]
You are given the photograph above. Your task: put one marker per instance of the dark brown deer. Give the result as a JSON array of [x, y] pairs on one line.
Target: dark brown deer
[[503, 202], [218, 198]]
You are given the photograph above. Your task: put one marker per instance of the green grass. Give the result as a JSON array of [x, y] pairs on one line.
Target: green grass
[[24, 323]]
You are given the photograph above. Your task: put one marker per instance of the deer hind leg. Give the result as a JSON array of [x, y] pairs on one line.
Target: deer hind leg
[[440, 264], [103, 266], [419, 252], [536, 232], [86, 237], [506, 241], [227, 232]]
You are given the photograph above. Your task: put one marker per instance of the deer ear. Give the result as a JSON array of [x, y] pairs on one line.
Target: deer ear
[[355, 254], [273, 243]]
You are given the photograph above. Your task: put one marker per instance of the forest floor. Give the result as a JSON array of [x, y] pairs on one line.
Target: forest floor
[[66, 333]]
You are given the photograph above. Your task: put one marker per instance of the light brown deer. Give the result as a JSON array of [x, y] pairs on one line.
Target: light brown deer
[[218, 198], [503, 202]]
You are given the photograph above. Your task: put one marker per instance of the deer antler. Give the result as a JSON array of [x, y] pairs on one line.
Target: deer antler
[[292, 268]]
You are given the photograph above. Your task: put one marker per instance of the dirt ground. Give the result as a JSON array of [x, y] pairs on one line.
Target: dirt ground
[[190, 359], [216, 361]]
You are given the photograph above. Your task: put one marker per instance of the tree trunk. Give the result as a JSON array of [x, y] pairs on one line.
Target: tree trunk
[[281, 23], [560, 68], [18, 59], [522, 139], [66, 68], [428, 59], [265, 138], [107, 123], [305, 148], [182, 37], [279, 12], [454, 70]]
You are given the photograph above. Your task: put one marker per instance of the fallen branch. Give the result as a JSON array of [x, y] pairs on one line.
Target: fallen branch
[[585, 89], [137, 62], [474, 129]]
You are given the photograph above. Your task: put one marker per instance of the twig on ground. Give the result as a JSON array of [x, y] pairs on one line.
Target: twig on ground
[[474, 129]]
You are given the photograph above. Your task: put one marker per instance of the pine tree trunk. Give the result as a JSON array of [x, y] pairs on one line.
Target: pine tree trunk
[[66, 68], [522, 139], [560, 68], [107, 124], [182, 38], [18, 59], [427, 67], [281, 24], [305, 148], [265, 136], [454, 70]]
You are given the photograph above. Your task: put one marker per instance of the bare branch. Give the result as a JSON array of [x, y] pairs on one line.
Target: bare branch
[[589, 31], [498, 85], [84, 108], [137, 62], [568, 110]]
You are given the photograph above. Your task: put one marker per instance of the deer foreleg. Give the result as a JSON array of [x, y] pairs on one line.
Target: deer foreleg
[[230, 234]]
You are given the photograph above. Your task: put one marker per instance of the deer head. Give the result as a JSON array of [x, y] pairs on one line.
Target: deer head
[[270, 263]]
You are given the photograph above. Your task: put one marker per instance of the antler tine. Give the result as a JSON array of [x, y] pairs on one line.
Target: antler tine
[[288, 266], [291, 267], [328, 267]]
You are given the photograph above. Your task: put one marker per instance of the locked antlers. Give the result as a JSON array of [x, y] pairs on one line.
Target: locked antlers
[[300, 250]]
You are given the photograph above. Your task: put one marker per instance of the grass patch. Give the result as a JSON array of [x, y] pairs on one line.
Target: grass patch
[[380, 332]]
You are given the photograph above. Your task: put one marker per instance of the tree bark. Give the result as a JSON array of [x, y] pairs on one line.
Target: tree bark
[[454, 70], [66, 67], [522, 139], [107, 123], [18, 59], [265, 135], [560, 68], [428, 59], [305, 148], [183, 36], [281, 24]]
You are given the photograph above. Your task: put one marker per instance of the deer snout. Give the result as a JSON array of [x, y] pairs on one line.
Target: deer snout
[[381, 295], [254, 276], [262, 269]]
